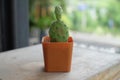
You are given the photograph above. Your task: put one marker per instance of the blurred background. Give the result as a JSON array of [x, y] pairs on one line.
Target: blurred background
[[91, 16], [93, 24]]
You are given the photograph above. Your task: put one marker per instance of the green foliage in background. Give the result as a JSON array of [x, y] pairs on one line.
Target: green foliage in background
[[44, 22], [106, 19]]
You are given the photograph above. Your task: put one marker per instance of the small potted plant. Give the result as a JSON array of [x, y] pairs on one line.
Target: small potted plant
[[57, 47]]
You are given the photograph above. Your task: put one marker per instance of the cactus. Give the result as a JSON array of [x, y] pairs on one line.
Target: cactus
[[58, 31]]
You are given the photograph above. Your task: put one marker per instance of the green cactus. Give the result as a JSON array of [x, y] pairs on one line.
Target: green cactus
[[58, 31]]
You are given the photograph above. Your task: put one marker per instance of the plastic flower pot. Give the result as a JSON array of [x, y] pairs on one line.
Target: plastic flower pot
[[57, 55]]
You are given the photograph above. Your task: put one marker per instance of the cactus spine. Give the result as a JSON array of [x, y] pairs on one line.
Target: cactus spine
[[58, 31]]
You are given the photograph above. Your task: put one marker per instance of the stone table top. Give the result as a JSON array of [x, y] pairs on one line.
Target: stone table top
[[27, 64]]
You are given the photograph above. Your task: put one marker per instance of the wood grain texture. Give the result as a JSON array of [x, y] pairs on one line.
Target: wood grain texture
[[27, 64], [112, 73]]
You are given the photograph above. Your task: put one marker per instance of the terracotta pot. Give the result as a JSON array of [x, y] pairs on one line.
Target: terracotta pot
[[57, 55]]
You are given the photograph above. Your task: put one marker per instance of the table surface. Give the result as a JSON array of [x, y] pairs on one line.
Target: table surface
[[27, 64]]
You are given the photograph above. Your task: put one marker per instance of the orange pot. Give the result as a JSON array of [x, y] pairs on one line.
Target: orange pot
[[57, 55]]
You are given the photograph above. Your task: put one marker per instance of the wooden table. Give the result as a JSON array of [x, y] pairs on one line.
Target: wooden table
[[27, 64]]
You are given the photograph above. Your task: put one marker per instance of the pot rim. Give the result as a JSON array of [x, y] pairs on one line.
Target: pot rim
[[46, 39]]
